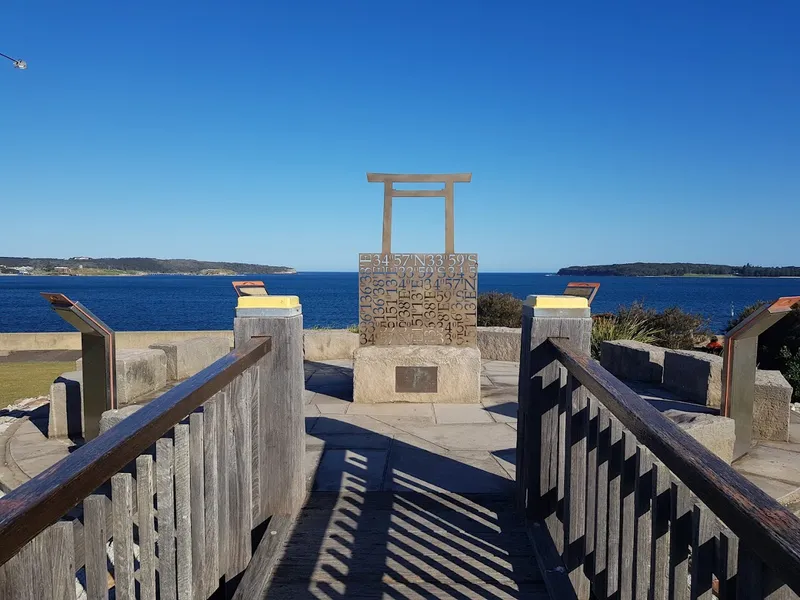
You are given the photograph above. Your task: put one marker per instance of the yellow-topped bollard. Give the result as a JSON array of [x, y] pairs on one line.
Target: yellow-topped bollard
[[255, 301], [268, 302], [558, 306]]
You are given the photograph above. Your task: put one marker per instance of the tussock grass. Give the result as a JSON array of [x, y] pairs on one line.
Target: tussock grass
[[624, 327]]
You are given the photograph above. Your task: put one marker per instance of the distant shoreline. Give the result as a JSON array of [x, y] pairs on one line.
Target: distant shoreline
[[642, 269], [141, 274]]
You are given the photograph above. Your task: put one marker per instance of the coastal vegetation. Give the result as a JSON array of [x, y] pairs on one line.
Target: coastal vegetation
[[84, 265], [610, 327], [499, 310], [642, 269], [778, 346], [672, 327]]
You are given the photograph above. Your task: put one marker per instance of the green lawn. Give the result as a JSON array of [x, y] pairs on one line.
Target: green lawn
[[28, 379]]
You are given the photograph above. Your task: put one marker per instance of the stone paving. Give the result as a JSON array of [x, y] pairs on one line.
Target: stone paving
[[462, 449], [457, 448]]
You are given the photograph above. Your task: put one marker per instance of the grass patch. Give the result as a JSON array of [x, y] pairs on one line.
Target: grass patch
[[28, 379]]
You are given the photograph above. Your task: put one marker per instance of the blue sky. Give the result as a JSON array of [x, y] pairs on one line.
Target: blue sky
[[595, 131]]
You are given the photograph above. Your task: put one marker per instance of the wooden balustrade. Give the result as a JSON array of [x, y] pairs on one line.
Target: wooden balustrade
[[164, 499], [621, 502]]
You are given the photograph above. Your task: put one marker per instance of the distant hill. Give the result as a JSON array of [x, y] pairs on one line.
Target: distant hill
[[681, 270], [110, 266]]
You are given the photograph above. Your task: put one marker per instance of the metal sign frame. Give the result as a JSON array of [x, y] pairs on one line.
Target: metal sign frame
[[250, 288], [98, 351], [739, 368], [582, 290]]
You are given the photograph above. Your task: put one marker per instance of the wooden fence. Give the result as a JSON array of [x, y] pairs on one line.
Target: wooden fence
[[622, 503], [164, 504]]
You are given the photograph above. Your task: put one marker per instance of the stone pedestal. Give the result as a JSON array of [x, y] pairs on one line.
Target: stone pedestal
[[444, 374]]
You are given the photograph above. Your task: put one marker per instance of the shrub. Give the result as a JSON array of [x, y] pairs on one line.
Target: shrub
[[791, 370], [674, 328], [622, 326], [499, 310]]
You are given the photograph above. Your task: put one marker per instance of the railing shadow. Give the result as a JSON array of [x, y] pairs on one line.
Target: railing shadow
[[395, 520]]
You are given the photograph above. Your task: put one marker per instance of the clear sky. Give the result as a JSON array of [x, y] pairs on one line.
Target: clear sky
[[595, 131]]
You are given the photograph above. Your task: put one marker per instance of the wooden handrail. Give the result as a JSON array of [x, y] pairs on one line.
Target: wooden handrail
[[32, 507], [767, 528]]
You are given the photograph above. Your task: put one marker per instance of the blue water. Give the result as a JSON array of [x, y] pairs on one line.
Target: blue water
[[163, 302]]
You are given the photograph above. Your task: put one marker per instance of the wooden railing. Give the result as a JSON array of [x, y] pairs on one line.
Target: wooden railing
[[621, 502], [164, 503]]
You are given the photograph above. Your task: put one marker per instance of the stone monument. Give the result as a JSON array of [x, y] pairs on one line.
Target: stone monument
[[417, 312]]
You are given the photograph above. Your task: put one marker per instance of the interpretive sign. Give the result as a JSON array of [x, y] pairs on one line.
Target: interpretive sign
[[418, 299]]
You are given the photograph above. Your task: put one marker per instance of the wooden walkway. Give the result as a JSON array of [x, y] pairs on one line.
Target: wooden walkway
[[416, 545]]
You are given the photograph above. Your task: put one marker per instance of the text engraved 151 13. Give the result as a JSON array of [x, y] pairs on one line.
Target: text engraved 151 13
[[418, 299]]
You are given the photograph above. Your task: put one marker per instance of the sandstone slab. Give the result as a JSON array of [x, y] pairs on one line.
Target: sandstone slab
[[771, 406], [457, 374], [140, 371], [112, 417], [188, 357], [499, 343], [66, 406], [328, 344], [634, 361], [697, 376], [714, 432]]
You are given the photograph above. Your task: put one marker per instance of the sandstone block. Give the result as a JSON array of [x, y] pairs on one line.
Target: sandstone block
[[771, 406], [66, 406], [112, 417], [697, 376], [188, 357], [714, 432], [328, 344], [140, 371], [457, 374], [499, 343], [634, 361]]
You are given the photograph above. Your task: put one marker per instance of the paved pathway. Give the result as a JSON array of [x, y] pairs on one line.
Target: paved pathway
[[425, 544], [459, 448]]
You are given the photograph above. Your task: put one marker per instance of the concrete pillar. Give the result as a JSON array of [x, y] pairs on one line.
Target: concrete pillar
[[276, 415]]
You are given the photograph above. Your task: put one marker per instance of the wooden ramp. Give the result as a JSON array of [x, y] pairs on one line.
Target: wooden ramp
[[406, 545]]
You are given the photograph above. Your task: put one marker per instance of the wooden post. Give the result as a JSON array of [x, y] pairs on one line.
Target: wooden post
[[539, 388], [449, 219], [386, 246], [278, 438]]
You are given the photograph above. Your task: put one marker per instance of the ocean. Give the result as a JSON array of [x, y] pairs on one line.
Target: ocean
[[184, 302]]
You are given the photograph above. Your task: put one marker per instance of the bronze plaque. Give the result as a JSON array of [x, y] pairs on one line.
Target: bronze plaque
[[420, 380], [418, 299]]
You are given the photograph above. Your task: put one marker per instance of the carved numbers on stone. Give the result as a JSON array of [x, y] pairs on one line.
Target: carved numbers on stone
[[418, 299]]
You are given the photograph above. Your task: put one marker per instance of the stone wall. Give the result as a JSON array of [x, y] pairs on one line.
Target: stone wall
[[71, 340], [633, 361], [695, 376], [495, 343], [329, 344], [772, 406], [499, 343]]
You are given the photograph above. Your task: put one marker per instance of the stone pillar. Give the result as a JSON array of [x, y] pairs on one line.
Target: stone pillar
[[276, 415]]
